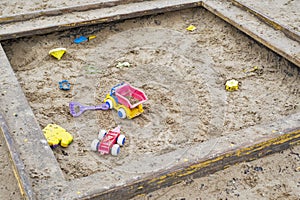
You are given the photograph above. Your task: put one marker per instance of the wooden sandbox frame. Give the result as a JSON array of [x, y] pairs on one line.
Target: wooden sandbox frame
[[31, 157]]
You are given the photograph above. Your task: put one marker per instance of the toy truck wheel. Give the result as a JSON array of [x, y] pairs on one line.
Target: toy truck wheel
[[121, 140], [101, 134], [122, 113], [94, 145], [109, 103], [115, 150]]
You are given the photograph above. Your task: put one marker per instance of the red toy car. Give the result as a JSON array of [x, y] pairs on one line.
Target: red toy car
[[109, 142]]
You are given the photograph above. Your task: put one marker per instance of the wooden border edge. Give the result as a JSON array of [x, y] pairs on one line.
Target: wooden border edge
[[115, 16], [268, 20], [290, 57], [201, 168], [18, 166], [60, 11]]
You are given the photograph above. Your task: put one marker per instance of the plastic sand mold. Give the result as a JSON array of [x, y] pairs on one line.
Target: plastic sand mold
[[56, 135], [191, 28], [64, 85], [57, 53], [80, 39], [83, 39], [232, 85]]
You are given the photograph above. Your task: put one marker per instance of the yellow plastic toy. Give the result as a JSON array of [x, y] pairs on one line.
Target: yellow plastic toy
[[191, 28], [56, 135], [92, 37], [232, 85], [57, 53]]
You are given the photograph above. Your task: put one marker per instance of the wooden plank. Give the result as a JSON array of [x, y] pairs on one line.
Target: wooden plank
[[17, 163], [268, 20], [23, 135], [97, 16], [201, 168], [63, 10], [256, 29]]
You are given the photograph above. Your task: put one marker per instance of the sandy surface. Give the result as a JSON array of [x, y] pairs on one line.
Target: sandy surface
[[193, 110], [182, 73]]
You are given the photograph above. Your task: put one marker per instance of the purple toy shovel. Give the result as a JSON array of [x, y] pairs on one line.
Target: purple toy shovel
[[77, 109]]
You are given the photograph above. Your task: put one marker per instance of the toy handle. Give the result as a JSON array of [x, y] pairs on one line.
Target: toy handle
[[103, 106], [77, 109]]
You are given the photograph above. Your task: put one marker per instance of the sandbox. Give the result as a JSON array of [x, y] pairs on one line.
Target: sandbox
[[191, 125]]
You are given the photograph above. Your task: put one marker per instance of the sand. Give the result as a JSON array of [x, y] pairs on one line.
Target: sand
[[183, 74]]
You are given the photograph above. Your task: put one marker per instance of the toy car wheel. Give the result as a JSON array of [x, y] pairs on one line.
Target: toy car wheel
[[109, 103], [115, 150], [122, 113], [121, 140], [101, 134], [94, 145]]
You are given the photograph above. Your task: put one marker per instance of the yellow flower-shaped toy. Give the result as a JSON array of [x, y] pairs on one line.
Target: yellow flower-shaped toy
[[56, 135]]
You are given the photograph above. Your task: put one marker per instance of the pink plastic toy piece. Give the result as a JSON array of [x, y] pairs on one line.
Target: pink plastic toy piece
[[126, 91]]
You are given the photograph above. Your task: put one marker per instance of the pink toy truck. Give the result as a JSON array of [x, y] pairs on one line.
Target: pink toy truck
[[127, 100]]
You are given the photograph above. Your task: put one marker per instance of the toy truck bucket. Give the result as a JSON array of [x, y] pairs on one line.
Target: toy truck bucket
[[129, 96]]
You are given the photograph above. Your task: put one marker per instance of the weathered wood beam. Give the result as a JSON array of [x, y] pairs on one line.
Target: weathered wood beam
[[201, 168], [260, 31], [268, 20], [60, 11], [17, 163]]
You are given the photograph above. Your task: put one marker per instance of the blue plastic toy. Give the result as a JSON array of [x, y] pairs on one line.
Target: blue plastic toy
[[64, 85], [80, 39]]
